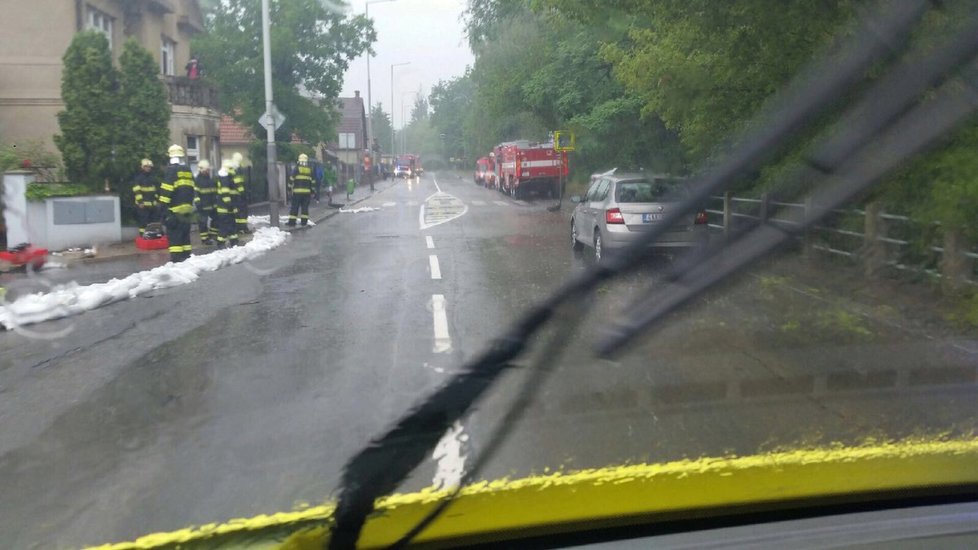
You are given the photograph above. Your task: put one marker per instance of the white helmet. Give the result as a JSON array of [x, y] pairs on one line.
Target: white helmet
[[175, 151], [303, 158], [236, 159], [204, 164]]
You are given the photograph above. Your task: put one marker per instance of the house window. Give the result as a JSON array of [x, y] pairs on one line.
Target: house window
[[100, 22], [193, 151], [347, 141], [168, 49]]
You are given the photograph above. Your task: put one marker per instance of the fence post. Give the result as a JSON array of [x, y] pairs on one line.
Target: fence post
[[727, 212], [808, 238], [874, 249], [955, 266]]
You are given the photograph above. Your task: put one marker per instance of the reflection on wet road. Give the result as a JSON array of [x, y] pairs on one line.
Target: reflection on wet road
[[245, 392]]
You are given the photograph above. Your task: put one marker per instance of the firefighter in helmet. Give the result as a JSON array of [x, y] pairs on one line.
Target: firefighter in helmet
[[241, 198], [205, 200], [225, 206], [144, 195], [177, 199], [302, 177]]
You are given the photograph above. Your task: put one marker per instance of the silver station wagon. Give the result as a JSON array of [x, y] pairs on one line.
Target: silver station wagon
[[618, 207]]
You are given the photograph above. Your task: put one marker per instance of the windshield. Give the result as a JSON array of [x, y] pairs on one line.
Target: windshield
[[221, 283], [659, 190]]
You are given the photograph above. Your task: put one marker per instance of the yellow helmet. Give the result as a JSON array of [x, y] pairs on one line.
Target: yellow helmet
[[204, 165], [175, 151], [226, 163], [236, 159], [303, 158], [146, 162]]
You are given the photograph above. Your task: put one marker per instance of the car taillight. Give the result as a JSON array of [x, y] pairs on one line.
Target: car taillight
[[701, 218], [613, 215]]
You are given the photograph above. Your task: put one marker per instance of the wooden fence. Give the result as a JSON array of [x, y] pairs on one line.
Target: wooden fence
[[872, 237]]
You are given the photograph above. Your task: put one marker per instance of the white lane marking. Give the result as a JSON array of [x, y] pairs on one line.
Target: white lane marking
[[434, 179], [501, 203], [429, 241], [412, 203], [450, 458], [478, 203], [443, 340], [442, 202], [520, 202], [435, 268], [386, 204]]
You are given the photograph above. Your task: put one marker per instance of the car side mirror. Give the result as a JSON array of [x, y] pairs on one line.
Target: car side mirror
[[576, 199]]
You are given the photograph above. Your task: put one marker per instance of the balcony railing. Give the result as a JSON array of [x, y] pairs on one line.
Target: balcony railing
[[194, 93]]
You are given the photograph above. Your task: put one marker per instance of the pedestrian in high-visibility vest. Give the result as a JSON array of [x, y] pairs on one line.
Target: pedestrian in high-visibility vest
[[177, 193], [241, 198], [144, 195], [205, 200], [301, 191], [351, 185], [224, 207]]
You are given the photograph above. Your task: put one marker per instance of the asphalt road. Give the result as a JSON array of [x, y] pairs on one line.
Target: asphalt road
[[246, 391]]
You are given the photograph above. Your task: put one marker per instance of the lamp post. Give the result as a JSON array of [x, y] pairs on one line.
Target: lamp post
[[393, 147], [370, 105], [270, 126]]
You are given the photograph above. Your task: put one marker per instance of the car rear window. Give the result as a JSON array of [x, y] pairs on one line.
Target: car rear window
[[659, 190]]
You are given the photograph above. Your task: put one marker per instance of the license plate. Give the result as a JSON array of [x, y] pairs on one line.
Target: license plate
[[651, 218]]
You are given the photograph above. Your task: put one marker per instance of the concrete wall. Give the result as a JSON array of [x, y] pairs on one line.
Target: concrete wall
[[34, 222]]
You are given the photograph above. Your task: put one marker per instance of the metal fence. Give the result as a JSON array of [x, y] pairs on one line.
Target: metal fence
[[872, 237]]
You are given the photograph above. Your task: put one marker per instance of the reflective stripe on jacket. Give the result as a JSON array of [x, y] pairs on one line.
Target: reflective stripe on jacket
[[177, 191]]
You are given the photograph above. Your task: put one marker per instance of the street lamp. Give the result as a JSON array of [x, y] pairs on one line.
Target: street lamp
[[370, 105], [393, 148], [269, 124]]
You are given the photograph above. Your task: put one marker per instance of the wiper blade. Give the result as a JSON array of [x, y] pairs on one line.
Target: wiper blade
[[379, 468]]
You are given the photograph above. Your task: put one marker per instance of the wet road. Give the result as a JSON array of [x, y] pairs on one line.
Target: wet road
[[245, 392]]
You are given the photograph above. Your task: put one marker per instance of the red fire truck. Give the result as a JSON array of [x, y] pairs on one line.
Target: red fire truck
[[524, 168]]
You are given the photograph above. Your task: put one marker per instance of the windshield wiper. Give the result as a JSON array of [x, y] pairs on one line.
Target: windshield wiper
[[380, 467]]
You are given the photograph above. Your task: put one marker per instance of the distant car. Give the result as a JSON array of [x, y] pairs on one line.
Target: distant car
[[619, 207], [401, 171]]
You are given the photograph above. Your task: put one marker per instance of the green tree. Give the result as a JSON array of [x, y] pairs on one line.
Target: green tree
[[312, 46], [144, 113], [380, 126], [88, 121]]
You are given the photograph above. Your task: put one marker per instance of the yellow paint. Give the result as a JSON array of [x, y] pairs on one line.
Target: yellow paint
[[559, 501]]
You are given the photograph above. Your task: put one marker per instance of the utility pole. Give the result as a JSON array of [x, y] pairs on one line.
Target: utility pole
[[393, 146], [272, 172], [370, 105]]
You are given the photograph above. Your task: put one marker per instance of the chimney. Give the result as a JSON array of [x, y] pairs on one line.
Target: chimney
[[356, 93]]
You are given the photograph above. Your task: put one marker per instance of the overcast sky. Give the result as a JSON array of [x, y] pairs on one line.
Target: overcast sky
[[426, 33]]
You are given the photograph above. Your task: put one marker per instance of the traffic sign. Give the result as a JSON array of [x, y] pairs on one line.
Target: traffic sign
[[564, 141], [273, 119]]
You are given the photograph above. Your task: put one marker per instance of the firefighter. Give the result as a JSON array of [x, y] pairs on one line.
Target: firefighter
[[301, 191], [204, 201], [177, 199], [144, 195], [224, 206], [241, 198]]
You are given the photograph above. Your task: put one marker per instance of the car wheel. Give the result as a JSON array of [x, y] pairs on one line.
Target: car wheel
[[597, 245], [576, 245]]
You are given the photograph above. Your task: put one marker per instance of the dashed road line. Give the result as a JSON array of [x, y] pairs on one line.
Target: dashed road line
[[478, 203], [429, 241], [501, 203], [435, 268], [443, 340]]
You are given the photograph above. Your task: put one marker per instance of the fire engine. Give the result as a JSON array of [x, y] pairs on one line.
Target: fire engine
[[524, 168]]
